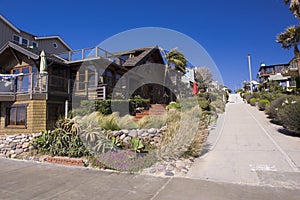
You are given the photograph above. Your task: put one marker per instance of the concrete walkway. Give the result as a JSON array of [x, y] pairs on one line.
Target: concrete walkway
[[247, 149], [40, 181]]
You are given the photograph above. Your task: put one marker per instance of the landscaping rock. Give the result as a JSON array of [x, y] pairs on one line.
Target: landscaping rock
[[133, 133], [127, 139], [25, 145], [18, 151], [122, 137], [126, 132], [169, 174], [145, 134], [140, 132], [152, 131], [12, 145]]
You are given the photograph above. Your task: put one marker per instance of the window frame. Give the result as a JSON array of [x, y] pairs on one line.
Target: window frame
[[24, 39], [55, 45], [8, 116], [36, 44], [13, 38]]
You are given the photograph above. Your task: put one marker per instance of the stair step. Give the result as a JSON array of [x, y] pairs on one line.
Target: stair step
[[155, 109]]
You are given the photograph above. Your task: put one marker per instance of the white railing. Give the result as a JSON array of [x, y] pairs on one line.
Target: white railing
[[88, 53]]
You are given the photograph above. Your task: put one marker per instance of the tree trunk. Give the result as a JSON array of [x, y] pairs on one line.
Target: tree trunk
[[296, 50]]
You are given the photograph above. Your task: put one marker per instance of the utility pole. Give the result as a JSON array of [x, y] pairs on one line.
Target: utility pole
[[250, 74]]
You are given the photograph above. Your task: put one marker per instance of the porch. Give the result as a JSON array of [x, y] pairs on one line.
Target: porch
[[42, 87]]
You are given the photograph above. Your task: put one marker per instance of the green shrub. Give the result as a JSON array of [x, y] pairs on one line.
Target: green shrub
[[289, 115], [253, 101], [204, 104], [277, 104], [137, 101], [153, 121], [174, 105], [105, 106], [219, 106], [262, 104], [127, 122], [60, 143], [249, 96], [271, 96], [109, 122]]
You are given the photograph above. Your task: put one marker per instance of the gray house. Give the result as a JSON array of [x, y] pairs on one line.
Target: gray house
[[50, 44]]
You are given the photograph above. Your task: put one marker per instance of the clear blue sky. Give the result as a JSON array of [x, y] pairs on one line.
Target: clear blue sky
[[227, 30]]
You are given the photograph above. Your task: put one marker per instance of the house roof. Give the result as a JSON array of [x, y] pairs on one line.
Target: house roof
[[35, 37], [33, 53], [53, 37], [136, 60], [9, 24], [21, 49]]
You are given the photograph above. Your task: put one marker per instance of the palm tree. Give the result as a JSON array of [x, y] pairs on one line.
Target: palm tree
[[294, 7], [290, 38], [177, 59]]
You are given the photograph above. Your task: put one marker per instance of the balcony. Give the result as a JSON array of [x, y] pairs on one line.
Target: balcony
[[34, 86], [88, 54], [291, 70], [30, 85]]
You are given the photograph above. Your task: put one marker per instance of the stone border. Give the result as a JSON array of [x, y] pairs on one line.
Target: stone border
[[13, 145]]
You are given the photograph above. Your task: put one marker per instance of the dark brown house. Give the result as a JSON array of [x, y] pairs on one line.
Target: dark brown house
[[32, 98]]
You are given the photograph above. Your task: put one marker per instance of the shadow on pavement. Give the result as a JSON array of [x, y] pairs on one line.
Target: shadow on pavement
[[288, 133]]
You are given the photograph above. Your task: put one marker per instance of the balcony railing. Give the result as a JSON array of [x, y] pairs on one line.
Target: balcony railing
[[24, 84], [89, 53], [55, 85]]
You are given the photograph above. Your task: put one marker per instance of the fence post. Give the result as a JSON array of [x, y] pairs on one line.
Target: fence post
[[31, 85]]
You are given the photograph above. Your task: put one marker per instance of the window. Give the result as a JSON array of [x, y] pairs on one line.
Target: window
[[58, 80], [55, 45], [16, 116], [16, 38], [25, 41], [20, 40], [24, 82], [81, 80], [109, 78], [34, 44]]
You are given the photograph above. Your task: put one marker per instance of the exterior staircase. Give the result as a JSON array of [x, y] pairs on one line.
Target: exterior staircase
[[155, 109]]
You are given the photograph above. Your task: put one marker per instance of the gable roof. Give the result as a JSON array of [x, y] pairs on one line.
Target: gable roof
[[30, 52], [9, 24], [20, 49], [35, 37], [53, 37], [134, 61]]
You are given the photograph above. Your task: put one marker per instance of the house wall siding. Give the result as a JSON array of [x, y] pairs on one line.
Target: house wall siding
[[36, 117], [47, 46], [6, 33]]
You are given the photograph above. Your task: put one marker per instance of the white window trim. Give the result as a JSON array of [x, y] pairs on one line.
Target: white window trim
[[55, 45], [14, 35], [20, 40], [37, 44], [26, 40]]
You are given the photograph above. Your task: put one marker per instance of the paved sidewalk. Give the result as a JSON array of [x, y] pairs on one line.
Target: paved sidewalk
[[249, 150], [26, 180]]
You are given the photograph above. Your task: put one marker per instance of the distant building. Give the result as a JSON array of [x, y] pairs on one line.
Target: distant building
[[268, 73]]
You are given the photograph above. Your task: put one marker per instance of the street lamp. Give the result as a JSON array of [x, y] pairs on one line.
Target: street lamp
[[250, 73]]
